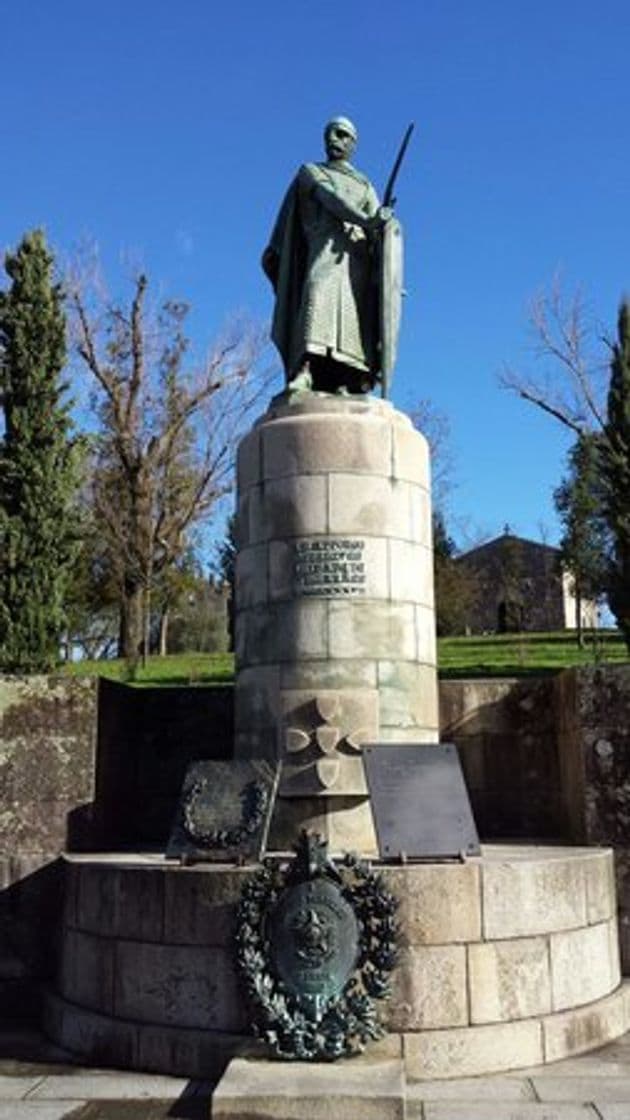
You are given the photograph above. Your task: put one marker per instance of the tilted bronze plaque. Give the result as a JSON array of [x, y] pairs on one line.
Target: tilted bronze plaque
[[224, 811], [419, 801]]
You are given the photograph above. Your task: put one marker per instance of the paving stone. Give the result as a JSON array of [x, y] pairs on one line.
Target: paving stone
[[502, 1111], [371, 1090], [44, 1110], [583, 1089], [109, 1085], [15, 1088], [499, 1088], [611, 1111]]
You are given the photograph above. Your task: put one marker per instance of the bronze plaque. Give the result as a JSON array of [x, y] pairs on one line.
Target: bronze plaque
[[223, 812], [314, 941], [419, 801]]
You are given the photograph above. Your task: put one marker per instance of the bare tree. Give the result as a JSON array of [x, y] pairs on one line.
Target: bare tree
[[167, 436], [572, 386], [436, 428]]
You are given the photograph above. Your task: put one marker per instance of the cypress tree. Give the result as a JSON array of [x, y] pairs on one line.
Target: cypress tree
[[616, 472], [38, 462]]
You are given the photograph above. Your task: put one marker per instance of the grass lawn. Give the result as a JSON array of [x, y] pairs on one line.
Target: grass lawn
[[506, 655], [175, 668], [491, 655]]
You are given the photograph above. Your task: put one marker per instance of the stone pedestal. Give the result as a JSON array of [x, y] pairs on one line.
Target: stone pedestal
[[508, 960], [335, 631]]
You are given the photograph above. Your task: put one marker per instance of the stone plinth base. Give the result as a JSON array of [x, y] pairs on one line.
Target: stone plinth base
[[364, 1089], [508, 960]]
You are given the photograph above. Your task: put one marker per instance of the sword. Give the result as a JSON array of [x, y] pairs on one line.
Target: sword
[[388, 199]]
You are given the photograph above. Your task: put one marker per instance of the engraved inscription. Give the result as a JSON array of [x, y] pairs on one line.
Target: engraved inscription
[[329, 566]]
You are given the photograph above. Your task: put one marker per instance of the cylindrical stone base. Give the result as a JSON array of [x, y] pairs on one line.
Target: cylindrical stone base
[[335, 630]]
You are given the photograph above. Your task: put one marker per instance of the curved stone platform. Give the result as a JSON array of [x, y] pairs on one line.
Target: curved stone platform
[[508, 960]]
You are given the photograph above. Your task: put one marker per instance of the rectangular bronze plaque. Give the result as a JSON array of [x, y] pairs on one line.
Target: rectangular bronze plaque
[[329, 567], [223, 812], [419, 801]]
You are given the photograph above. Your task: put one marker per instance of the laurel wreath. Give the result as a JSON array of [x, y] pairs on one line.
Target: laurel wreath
[[254, 798], [350, 1020]]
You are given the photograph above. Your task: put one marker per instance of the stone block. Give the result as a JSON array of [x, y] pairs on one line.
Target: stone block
[[248, 460], [599, 874], [426, 642], [428, 989], [200, 905], [379, 507], [251, 576], [281, 565], [408, 709], [188, 1053], [411, 455], [345, 822], [411, 572], [408, 734], [470, 1051], [324, 443], [292, 507], [437, 904], [351, 1090], [257, 743], [113, 903], [70, 893], [256, 697], [582, 968], [372, 629], [331, 673], [420, 515], [282, 632], [87, 970], [509, 980], [585, 1028], [178, 984], [521, 898], [100, 1039]]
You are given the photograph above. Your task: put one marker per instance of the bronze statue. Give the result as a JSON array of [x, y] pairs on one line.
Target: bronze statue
[[335, 263]]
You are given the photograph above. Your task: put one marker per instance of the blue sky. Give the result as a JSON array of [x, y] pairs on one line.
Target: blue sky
[[169, 132]]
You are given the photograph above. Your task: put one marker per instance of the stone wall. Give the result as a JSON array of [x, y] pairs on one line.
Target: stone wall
[[47, 760], [146, 738], [593, 719], [506, 735]]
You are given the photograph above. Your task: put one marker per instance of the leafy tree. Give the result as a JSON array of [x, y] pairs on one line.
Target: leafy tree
[[579, 501], [166, 441], [38, 462], [455, 586], [616, 473]]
